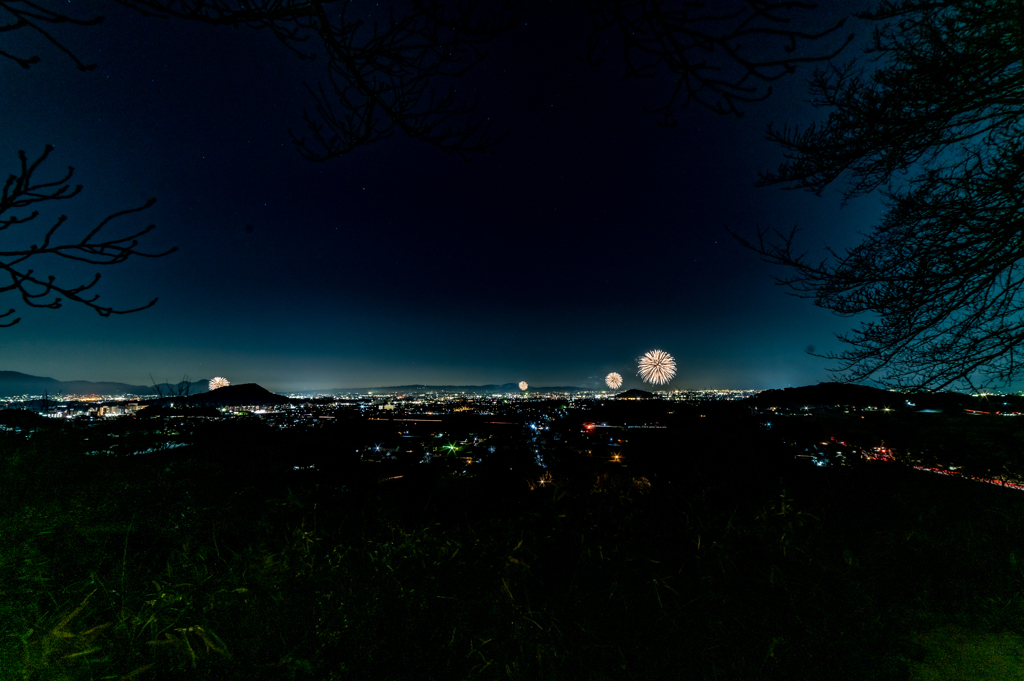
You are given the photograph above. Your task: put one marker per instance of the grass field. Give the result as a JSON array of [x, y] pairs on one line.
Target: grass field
[[140, 570]]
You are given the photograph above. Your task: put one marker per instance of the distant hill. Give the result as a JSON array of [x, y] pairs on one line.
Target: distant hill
[[828, 394], [14, 383], [242, 395], [19, 418], [154, 410], [845, 394], [635, 394]]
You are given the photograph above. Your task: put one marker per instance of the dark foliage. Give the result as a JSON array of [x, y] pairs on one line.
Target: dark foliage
[[933, 120], [153, 568]]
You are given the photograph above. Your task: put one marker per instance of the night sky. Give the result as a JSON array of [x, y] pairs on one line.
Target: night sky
[[591, 236]]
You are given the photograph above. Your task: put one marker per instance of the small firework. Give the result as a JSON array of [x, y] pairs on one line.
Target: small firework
[[218, 382], [614, 380], [523, 385], [657, 367]]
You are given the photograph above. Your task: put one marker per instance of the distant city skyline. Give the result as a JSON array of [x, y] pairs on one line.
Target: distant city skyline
[[300, 386]]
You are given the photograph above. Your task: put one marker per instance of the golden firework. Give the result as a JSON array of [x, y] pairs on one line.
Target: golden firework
[[523, 385], [614, 380], [218, 382], [657, 367]]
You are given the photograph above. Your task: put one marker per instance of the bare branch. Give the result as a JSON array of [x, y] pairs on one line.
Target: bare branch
[[380, 77], [23, 15], [717, 53], [21, 191], [396, 73], [942, 77], [942, 276], [932, 118]]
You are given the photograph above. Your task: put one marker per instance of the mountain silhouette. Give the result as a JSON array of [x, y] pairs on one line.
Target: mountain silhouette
[[241, 395], [828, 394], [15, 383]]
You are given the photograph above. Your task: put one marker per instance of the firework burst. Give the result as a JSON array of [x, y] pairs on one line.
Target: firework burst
[[218, 382], [657, 367], [523, 385], [614, 380]]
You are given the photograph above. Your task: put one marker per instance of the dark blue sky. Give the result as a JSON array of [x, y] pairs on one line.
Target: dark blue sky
[[589, 237]]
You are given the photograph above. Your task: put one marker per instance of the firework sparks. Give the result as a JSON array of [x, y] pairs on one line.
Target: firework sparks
[[657, 367], [614, 380], [218, 382], [523, 385]]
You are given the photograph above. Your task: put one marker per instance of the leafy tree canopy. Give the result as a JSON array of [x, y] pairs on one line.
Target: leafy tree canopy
[[929, 115]]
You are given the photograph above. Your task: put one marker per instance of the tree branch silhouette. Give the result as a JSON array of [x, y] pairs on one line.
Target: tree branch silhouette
[[936, 126], [381, 76], [23, 191], [720, 54], [395, 73], [23, 15], [949, 73]]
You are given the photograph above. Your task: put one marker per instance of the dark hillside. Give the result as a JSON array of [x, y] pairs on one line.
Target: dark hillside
[[828, 394], [241, 395], [705, 552]]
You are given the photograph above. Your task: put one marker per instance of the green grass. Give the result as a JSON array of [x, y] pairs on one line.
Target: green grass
[[872, 573], [952, 653]]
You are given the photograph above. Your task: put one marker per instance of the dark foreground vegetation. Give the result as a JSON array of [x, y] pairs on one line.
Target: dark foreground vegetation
[[728, 567]]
